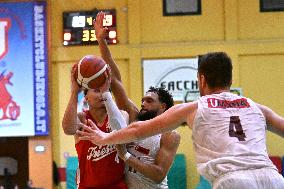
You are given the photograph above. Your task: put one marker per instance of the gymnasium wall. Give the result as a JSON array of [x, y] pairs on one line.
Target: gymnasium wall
[[253, 39]]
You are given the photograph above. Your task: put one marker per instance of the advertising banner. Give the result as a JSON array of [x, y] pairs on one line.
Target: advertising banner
[[23, 69], [179, 76]]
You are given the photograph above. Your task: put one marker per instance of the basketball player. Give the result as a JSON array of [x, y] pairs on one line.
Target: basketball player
[[149, 160], [99, 166], [229, 131]]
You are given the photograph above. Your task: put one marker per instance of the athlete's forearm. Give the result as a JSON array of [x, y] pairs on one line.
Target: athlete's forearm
[[116, 119], [106, 55], [275, 130], [150, 171], [123, 136], [139, 130], [275, 123], [70, 120]]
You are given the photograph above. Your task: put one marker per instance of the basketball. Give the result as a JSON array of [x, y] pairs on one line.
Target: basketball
[[90, 72]]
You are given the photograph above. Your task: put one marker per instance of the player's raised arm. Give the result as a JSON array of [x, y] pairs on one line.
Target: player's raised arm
[[122, 101], [101, 33]]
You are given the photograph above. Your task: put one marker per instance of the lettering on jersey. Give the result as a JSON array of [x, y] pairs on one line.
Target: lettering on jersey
[[98, 152], [142, 150], [4, 27], [218, 103]]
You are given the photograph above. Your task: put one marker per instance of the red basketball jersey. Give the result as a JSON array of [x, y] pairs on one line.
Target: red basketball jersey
[[99, 167]]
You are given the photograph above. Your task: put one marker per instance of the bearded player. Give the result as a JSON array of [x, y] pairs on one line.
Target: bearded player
[[149, 160]]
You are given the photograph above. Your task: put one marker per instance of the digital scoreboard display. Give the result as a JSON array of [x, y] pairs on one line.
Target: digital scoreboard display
[[78, 27]]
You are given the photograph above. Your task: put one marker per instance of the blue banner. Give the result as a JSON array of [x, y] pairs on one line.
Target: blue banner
[[23, 69]]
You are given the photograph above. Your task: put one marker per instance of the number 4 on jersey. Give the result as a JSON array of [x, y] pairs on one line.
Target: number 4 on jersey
[[235, 128]]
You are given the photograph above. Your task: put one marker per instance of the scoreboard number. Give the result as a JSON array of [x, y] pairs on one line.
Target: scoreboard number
[[78, 27]]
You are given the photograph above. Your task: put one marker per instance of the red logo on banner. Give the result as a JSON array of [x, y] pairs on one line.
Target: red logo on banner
[[9, 108]]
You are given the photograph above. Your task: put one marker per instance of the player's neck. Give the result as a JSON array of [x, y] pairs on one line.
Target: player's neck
[[99, 115], [218, 90]]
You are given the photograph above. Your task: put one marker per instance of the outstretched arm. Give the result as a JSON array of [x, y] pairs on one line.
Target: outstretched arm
[[275, 123], [118, 90], [122, 101], [101, 33], [70, 120], [167, 121]]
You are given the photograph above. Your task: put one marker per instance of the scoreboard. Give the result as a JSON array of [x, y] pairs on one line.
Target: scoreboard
[[78, 27]]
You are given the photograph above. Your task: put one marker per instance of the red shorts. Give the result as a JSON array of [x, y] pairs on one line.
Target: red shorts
[[119, 185]]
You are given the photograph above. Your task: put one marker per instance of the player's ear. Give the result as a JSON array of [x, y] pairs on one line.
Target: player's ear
[[202, 81], [163, 106], [86, 98]]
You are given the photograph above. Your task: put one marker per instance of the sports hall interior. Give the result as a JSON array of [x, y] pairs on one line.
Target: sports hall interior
[[252, 38]]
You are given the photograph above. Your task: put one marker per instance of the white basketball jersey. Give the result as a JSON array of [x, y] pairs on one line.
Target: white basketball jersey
[[229, 134], [146, 151]]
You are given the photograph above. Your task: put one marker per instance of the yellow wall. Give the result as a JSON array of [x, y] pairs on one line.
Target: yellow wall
[[253, 39], [265, 85]]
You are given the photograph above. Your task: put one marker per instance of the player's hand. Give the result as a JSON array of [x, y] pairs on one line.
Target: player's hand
[[75, 88], [91, 133], [121, 150], [100, 30]]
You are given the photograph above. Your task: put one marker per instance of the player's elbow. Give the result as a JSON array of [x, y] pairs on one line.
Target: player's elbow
[[160, 179], [159, 176], [67, 130]]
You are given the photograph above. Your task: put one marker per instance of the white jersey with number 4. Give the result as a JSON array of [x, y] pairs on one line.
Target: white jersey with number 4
[[229, 134]]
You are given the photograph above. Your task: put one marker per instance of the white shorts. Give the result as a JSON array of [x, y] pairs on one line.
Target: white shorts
[[138, 181], [265, 178]]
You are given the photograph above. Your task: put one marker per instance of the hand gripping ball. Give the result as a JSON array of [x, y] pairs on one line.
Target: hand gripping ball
[[90, 72]]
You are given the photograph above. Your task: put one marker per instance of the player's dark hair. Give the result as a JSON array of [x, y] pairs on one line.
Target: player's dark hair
[[85, 92], [216, 68], [164, 96]]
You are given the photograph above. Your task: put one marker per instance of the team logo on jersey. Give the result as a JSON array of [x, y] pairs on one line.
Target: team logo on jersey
[[142, 149], [218, 103], [98, 152]]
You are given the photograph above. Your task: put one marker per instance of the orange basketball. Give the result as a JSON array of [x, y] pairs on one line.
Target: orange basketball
[[90, 72]]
